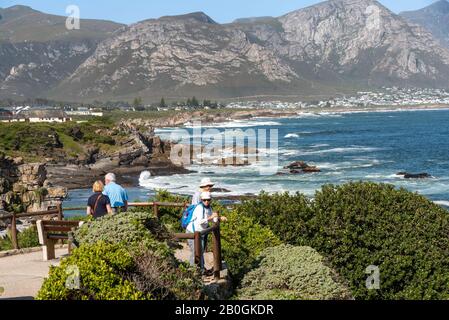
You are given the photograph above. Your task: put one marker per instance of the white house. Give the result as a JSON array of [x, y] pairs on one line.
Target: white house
[[35, 116]]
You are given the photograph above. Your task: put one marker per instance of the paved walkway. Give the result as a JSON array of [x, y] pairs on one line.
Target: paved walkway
[[21, 276]]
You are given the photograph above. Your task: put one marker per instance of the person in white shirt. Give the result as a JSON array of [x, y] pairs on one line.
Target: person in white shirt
[[205, 186], [201, 217]]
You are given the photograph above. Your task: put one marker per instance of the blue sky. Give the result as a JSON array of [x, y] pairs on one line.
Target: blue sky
[[222, 11]]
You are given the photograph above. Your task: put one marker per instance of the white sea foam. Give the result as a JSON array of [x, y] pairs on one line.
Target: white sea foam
[[291, 135], [442, 203], [348, 165], [320, 145], [307, 115], [340, 150], [145, 175]]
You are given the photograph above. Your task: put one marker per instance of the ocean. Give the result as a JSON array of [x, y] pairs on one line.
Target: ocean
[[358, 146]]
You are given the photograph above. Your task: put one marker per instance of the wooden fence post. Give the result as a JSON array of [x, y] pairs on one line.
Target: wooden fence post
[[60, 218], [156, 210], [197, 248], [14, 240], [217, 252], [60, 213]]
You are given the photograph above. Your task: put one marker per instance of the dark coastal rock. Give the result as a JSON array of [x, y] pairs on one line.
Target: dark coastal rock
[[140, 161], [296, 165], [301, 167], [407, 175], [311, 169], [221, 190]]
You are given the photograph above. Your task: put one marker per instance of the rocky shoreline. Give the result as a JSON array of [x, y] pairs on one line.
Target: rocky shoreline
[[144, 151]]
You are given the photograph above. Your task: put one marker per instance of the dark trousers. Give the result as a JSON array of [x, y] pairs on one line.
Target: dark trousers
[[117, 210]]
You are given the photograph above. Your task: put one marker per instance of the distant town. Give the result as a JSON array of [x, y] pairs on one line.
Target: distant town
[[42, 110]]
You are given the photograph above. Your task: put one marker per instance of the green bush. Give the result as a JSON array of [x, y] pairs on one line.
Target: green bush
[[171, 217], [132, 229], [28, 238], [278, 211], [292, 273], [358, 225], [242, 241], [101, 267], [361, 224], [166, 278]]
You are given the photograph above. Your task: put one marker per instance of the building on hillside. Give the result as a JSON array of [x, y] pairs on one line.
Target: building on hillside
[[85, 113], [35, 116]]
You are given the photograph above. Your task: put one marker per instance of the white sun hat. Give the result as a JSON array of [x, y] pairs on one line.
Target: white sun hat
[[206, 196], [206, 182]]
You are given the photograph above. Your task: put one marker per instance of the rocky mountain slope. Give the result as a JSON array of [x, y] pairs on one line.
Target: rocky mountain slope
[[37, 51], [334, 46], [435, 18], [330, 46]]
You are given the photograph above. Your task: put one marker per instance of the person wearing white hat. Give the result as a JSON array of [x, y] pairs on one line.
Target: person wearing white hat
[[205, 186], [201, 217]]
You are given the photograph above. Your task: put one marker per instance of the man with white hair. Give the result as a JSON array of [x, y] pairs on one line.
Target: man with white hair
[[115, 192]]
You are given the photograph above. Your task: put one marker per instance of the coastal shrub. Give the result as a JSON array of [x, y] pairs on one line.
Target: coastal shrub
[[101, 268], [133, 229], [165, 278], [286, 272], [28, 238], [285, 214], [171, 217], [405, 235], [243, 240], [362, 224]]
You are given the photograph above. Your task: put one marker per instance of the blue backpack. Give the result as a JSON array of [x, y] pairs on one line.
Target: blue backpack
[[188, 214]]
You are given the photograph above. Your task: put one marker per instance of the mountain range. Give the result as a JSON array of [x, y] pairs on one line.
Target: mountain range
[[336, 46], [435, 18]]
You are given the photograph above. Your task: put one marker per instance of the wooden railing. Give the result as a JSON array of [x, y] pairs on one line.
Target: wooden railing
[[14, 216], [154, 205], [196, 237]]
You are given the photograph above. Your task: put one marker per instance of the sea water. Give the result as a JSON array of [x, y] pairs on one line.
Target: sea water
[[359, 146]]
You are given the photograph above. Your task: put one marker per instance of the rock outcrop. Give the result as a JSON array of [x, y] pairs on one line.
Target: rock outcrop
[[24, 187], [301, 167], [407, 175]]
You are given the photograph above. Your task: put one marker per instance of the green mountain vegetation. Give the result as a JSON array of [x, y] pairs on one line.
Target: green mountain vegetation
[[22, 23], [35, 142]]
